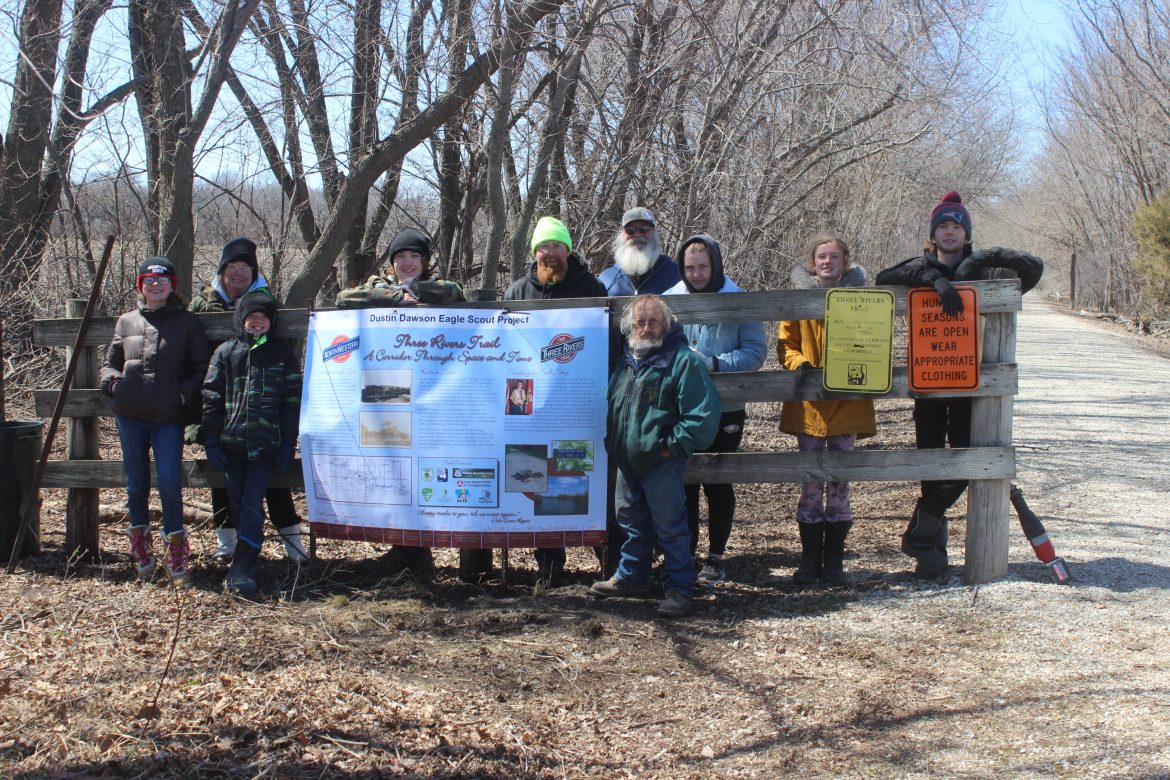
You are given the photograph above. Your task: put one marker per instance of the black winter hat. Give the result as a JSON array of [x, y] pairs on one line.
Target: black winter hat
[[156, 266], [412, 239], [253, 302], [242, 250]]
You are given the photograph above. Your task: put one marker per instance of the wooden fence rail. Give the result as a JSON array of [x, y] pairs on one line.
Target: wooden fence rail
[[989, 463]]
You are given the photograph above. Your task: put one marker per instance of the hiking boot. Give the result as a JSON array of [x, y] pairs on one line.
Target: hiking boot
[[615, 587], [241, 577], [293, 549], [140, 554], [674, 605], [177, 559], [713, 571], [812, 545], [226, 547]]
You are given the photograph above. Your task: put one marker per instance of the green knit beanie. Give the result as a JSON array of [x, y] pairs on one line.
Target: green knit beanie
[[550, 229]]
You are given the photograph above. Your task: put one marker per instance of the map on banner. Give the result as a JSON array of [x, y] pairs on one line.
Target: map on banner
[[456, 427]]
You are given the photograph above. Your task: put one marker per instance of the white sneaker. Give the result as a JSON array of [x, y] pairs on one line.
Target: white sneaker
[[291, 536], [227, 544]]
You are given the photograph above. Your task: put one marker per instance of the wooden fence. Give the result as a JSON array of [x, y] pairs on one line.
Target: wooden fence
[[989, 463]]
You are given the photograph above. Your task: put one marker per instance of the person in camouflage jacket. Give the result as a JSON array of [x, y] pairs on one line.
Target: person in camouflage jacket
[[251, 414], [407, 280]]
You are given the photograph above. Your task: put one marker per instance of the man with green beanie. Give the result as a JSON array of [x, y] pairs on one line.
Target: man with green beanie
[[556, 271]]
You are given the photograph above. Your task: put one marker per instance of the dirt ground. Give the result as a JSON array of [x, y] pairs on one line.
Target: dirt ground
[[367, 673]]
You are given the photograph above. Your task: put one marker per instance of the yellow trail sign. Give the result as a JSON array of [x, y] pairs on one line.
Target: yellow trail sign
[[859, 337]]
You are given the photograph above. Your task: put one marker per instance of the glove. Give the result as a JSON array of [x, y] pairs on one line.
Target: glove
[[805, 366], [952, 302], [284, 457], [712, 364], [1028, 268], [970, 267], [216, 456]]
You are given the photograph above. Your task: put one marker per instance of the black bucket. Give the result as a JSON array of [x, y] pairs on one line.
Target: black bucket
[[20, 447]]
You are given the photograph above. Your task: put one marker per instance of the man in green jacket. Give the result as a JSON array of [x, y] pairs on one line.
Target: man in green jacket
[[662, 407]]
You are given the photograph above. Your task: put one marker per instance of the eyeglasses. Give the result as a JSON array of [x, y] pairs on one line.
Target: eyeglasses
[[638, 230], [647, 324], [155, 281]]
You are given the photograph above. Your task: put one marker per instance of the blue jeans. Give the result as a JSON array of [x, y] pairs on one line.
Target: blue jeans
[[246, 482], [138, 438], [653, 507]]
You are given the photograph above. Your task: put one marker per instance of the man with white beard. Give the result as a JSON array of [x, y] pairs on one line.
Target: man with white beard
[[639, 265], [662, 408]]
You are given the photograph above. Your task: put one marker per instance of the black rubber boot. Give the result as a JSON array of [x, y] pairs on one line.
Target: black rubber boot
[[812, 544], [241, 577], [925, 541], [834, 568], [550, 564]]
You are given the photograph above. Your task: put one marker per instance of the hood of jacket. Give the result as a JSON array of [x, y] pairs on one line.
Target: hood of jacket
[[801, 279], [715, 283], [252, 302], [217, 286]]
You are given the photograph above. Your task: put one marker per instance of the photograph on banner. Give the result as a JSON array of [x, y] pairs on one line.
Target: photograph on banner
[[944, 348], [859, 340], [456, 426]]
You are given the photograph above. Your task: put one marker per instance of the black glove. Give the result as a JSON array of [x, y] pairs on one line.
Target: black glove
[[284, 457], [952, 302], [971, 266], [216, 456], [805, 366], [1028, 268]]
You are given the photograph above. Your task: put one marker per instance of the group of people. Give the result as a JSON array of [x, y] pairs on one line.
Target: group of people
[[662, 403]]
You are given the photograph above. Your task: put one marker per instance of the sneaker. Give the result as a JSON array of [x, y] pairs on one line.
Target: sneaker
[[674, 605], [713, 571], [225, 544], [293, 549], [144, 563], [615, 587], [177, 560]]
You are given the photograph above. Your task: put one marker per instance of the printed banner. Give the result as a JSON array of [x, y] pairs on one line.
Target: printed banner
[[944, 349], [456, 427], [859, 340]]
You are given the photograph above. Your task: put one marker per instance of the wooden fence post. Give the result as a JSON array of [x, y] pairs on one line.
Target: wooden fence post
[[987, 499], [81, 504]]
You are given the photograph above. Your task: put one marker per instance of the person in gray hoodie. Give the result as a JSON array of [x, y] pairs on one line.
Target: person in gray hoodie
[[726, 346]]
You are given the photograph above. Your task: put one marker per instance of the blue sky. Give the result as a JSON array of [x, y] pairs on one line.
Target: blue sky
[[1038, 29]]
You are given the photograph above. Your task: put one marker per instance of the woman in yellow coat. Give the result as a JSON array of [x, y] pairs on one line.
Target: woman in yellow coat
[[823, 514]]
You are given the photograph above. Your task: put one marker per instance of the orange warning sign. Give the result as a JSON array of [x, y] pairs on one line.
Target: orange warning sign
[[944, 349]]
